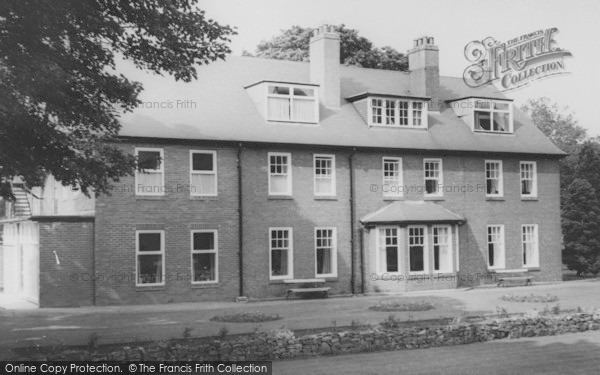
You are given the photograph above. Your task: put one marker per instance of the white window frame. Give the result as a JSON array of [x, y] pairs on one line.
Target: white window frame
[[290, 251], [142, 253], [534, 191], [440, 179], [386, 181], [426, 269], [213, 172], [289, 172], [410, 118], [333, 191], [292, 97], [500, 178], [333, 252], [502, 259], [492, 111], [536, 246], [450, 244], [215, 251], [398, 244], [161, 170]]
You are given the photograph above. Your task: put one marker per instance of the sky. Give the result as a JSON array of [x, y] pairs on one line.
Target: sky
[[453, 24]]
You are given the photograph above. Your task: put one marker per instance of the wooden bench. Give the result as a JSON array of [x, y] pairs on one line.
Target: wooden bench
[[307, 289], [503, 280]]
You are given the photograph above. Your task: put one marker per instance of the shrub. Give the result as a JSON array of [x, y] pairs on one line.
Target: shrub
[[245, 317], [223, 332], [391, 322], [529, 298], [400, 306]]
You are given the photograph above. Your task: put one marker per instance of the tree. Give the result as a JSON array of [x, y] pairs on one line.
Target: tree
[[581, 228], [60, 94], [293, 44], [556, 123], [587, 164], [560, 126]]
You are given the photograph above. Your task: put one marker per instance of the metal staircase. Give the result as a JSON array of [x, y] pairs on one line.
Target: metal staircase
[[21, 203]]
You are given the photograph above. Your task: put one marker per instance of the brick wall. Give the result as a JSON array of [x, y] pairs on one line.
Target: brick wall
[[118, 217], [70, 282], [303, 212]]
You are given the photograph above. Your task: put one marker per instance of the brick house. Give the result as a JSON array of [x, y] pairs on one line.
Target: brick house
[[266, 171]]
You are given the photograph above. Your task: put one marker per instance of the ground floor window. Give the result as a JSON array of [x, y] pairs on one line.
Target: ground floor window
[[530, 245], [325, 248], [204, 256], [150, 252], [495, 241], [442, 248], [281, 256], [417, 252], [387, 243]]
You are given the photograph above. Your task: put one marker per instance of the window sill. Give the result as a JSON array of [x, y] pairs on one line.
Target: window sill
[[433, 198], [532, 269], [492, 132], [327, 278], [204, 198], [280, 197], [150, 197], [278, 281], [393, 198], [205, 286], [531, 199], [499, 199], [149, 288], [326, 198]]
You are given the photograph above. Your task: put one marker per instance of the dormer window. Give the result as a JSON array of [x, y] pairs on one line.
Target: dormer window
[[492, 116], [397, 113], [293, 103], [485, 115]]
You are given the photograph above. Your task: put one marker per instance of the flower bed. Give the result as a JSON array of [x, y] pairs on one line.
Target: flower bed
[[402, 306], [515, 297], [246, 317], [284, 344]]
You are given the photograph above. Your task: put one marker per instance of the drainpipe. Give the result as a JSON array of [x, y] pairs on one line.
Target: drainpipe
[[94, 265], [240, 221], [352, 255], [362, 261]]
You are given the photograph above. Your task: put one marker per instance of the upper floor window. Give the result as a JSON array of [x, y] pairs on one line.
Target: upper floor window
[[292, 103], [150, 173], [492, 116], [397, 113], [392, 177], [324, 174], [203, 173], [493, 178], [528, 179], [433, 177], [280, 173]]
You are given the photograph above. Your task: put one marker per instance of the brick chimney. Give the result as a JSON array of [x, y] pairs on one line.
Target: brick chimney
[[424, 66], [325, 64]]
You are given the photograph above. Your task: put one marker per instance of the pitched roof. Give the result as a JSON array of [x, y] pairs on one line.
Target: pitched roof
[[223, 111], [411, 212]]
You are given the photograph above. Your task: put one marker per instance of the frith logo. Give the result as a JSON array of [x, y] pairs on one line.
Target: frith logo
[[515, 63]]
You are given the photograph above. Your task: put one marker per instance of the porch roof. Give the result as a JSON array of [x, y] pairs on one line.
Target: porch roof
[[411, 212]]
